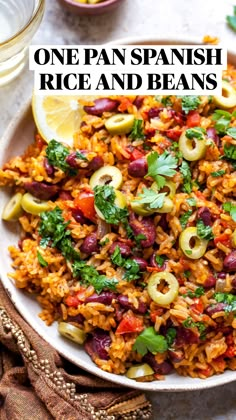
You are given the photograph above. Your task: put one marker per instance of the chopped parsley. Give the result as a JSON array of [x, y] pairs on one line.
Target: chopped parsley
[[218, 173], [195, 133], [197, 293], [187, 177], [80, 156], [189, 323], [222, 119], [228, 299], [187, 274], [231, 131], [184, 218], [41, 260], [190, 103], [132, 269], [230, 151], [138, 238], [53, 230], [160, 166], [192, 201], [175, 148], [137, 130], [149, 340], [170, 336], [150, 197], [89, 275], [203, 231], [231, 20], [166, 101], [104, 242], [160, 259], [231, 208], [104, 198], [56, 154]]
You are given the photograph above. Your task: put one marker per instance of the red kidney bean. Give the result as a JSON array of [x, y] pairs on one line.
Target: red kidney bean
[[98, 344], [141, 262], [65, 195], [149, 133], [125, 249], [49, 168], [176, 356], [77, 318], [101, 105], [163, 222], [154, 112], [161, 368], [212, 309], [210, 281], [233, 283], [78, 216], [138, 168], [178, 117], [72, 160], [211, 134], [41, 190], [90, 244], [221, 275], [96, 163], [230, 261], [145, 227], [124, 301], [105, 297], [138, 102], [185, 336], [205, 215]]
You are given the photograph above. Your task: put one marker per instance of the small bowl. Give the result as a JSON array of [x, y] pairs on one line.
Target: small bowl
[[90, 9]]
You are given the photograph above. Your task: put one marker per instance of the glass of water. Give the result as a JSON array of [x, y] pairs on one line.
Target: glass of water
[[19, 20]]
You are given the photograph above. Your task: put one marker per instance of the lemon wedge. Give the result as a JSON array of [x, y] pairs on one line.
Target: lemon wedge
[[58, 117]]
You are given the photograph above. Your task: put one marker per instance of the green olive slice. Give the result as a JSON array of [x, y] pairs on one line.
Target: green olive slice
[[71, 332], [169, 188], [120, 201], [234, 238], [163, 298], [139, 371], [120, 124], [192, 149], [193, 250], [228, 97], [33, 205], [13, 210], [141, 209], [107, 175], [167, 207]]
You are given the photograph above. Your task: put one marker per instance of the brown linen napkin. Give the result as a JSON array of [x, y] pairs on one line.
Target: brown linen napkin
[[38, 384]]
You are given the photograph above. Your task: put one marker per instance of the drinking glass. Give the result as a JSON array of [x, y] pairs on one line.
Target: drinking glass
[[19, 20]]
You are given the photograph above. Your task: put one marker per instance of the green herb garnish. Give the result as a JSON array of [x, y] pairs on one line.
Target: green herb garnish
[[150, 197], [203, 231], [195, 133], [132, 269], [170, 336], [192, 201], [190, 103], [41, 260], [137, 130], [189, 323], [228, 299], [231, 20], [187, 177], [56, 154], [197, 293], [89, 275], [184, 218], [222, 119], [160, 166], [149, 340], [218, 173], [231, 208], [104, 198]]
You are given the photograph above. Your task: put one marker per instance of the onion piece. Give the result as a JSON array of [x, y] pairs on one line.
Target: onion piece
[[220, 285], [103, 228]]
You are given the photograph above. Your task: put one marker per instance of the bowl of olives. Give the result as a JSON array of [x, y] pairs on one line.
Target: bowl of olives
[[90, 7]]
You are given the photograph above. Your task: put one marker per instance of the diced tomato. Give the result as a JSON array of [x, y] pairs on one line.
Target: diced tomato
[[85, 203], [206, 372], [76, 299], [155, 314], [197, 306], [136, 154], [125, 103], [173, 134], [223, 239], [39, 142], [130, 324], [200, 195], [193, 119], [230, 352]]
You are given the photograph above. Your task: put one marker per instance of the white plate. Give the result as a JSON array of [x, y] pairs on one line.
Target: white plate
[[19, 134]]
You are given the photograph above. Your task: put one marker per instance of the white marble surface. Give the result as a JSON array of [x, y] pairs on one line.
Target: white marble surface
[[158, 18]]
